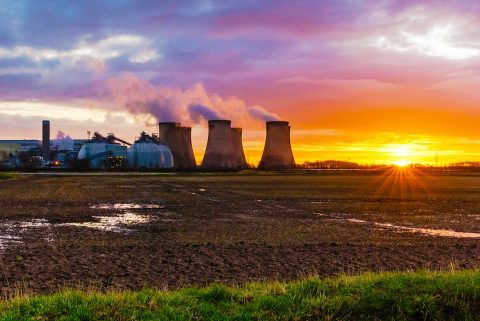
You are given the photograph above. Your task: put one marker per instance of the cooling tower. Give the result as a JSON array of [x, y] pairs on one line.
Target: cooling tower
[[238, 148], [46, 140], [170, 134], [277, 153], [219, 153], [186, 136]]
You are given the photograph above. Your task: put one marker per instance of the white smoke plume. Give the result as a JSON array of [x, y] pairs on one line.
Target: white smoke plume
[[190, 106], [63, 142]]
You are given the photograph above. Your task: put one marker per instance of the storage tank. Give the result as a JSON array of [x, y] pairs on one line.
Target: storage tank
[[103, 152], [219, 152], [148, 153], [277, 153]]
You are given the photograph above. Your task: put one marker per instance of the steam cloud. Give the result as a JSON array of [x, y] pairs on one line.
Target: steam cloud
[[199, 111], [155, 103], [63, 142]]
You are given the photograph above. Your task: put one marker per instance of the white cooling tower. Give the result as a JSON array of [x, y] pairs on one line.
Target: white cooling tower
[[170, 134], [237, 144], [186, 137], [277, 153], [219, 153]]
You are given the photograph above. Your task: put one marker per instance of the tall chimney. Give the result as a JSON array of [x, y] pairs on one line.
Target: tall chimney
[[186, 136], [169, 133], [219, 153], [46, 140], [277, 153], [238, 148]]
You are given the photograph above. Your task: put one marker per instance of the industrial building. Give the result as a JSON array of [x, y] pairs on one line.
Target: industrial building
[[9, 148], [171, 148], [104, 152]]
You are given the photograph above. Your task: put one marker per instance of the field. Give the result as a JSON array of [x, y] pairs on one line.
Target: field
[[127, 232]]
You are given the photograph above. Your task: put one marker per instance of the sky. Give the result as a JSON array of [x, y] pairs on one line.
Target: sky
[[365, 81]]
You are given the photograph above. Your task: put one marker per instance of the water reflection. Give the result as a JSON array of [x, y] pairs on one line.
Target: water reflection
[[420, 230]]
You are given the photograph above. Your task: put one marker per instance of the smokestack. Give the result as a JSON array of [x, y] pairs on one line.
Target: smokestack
[[46, 140], [170, 134], [219, 153], [277, 153], [238, 148], [186, 136]]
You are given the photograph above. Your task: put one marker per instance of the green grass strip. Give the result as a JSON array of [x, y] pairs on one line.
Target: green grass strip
[[422, 295]]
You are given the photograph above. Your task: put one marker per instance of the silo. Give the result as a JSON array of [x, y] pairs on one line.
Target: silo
[[46, 140], [219, 152], [148, 153], [238, 148], [186, 135], [170, 134], [277, 153]]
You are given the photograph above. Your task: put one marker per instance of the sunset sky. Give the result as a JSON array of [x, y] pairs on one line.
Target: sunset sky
[[366, 81]]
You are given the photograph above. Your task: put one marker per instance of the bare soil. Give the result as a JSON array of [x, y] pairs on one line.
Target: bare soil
[[230, 227]]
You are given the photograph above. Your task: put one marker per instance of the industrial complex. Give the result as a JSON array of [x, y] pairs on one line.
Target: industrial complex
[[171, 148]]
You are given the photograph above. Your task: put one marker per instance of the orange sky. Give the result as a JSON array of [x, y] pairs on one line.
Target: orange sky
[[365, 81]]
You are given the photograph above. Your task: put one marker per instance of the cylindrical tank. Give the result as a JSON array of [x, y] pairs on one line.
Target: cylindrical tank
[[147, 153]]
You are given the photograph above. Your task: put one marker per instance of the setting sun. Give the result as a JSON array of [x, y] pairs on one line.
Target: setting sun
[[402, 163]]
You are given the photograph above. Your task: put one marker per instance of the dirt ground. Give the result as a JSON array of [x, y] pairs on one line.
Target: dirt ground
[[171, 230]]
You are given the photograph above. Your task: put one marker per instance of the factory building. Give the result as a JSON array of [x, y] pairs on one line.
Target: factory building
[[277, 153], [104, 152], [10, 148]]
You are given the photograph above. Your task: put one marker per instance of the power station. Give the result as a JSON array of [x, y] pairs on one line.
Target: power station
[[170, 149]]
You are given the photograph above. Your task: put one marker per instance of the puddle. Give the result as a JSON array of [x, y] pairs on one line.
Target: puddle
[[12, 231], [33, 223], [420, 230], [125, 206], [432, 232], [6, 240], [202, 190], [116, 223]]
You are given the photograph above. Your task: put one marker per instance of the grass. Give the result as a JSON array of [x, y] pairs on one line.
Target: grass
[[423, 295], [4, 176]]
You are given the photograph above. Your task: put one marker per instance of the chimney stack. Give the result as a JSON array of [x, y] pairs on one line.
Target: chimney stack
[[238, 148], [186, 136], [277, 153], [219, 153], [46, 140]]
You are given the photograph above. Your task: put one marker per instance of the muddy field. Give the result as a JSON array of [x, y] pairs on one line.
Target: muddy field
[[170, 230]]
